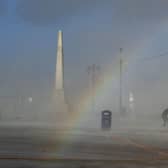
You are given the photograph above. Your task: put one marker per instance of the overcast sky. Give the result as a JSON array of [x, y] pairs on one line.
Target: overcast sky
[[93, 30]]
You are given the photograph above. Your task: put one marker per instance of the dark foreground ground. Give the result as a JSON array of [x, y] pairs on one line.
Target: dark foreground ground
[[38, 147]]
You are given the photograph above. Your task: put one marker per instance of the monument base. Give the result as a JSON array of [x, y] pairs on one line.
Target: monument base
[[59, 108]]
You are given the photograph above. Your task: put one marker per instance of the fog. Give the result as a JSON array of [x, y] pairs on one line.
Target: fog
[[93, 33]]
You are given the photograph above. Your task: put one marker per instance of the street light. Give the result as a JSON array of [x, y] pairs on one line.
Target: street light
[[132, 105], [30, 99], [120, 84]]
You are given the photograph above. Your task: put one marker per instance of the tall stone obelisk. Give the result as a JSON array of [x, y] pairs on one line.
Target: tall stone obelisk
[[61, 107], [59, 79]]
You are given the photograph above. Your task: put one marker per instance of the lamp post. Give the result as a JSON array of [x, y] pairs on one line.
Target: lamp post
[[132, 106], [120, 84]]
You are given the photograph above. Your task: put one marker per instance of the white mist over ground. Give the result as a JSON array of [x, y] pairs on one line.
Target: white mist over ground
[[34, 109], [92, 34]]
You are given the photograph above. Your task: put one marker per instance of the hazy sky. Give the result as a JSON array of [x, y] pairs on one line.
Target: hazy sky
[[93, 30]]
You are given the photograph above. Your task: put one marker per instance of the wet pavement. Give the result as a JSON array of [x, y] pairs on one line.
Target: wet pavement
[[53, 145]]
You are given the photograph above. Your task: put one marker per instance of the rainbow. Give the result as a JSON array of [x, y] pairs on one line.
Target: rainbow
[[110, 79], [111, 76]]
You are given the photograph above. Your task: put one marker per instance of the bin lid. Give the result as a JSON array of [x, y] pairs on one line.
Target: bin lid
[[106, 112]]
